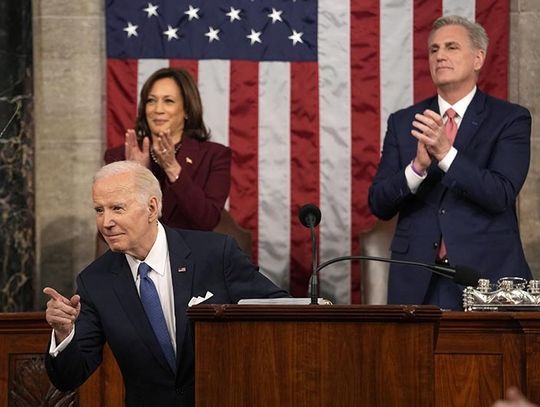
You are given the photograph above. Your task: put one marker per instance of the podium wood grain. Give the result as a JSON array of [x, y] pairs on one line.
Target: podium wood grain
[[314, 355]]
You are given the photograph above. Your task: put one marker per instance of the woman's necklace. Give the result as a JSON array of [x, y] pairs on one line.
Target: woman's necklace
[[154, 158]]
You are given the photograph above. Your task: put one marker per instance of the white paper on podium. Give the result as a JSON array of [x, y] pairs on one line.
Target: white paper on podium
[[282, 301]]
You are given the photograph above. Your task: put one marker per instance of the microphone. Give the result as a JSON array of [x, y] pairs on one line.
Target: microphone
[[310, 217]]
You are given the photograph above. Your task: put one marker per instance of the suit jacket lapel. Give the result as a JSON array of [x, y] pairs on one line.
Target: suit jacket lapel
[[472, 121], [183, 270], [474, 115], [129, 298]]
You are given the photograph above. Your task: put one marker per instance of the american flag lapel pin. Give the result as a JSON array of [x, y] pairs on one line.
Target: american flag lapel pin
[[182, 269], [189, 160]]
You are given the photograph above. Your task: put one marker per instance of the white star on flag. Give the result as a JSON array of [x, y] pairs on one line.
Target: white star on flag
[[192, 13], [255, 36], [212, 34], [275, 15], [296, 37], [171, 33], [151, 10], [234, 14], [131, 30]]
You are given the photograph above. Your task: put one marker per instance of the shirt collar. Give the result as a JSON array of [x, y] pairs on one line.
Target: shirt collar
[[460, 107], [157, 257]]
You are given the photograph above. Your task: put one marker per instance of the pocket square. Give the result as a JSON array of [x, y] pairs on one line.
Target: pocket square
[[198, 300]]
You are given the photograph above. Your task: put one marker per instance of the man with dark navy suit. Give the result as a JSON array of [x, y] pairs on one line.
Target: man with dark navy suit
[[135, 296], [452, 167]]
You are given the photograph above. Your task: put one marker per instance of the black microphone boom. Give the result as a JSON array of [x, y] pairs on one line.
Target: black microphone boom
[[462, 275], [310, 216]]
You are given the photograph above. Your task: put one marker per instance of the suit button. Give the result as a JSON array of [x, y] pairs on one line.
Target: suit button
[[442, 211], [179, 390], [435, 245]]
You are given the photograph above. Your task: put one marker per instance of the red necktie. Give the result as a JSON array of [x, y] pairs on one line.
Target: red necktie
[[451, 130], [451, 126]]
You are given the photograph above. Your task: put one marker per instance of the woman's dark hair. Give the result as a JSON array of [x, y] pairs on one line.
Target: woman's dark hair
[[194, 126]]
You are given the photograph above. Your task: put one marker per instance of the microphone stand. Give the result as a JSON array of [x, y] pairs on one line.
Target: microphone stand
[[314, 279]]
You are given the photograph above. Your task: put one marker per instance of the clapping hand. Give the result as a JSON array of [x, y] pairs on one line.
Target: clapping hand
[[135, 153]]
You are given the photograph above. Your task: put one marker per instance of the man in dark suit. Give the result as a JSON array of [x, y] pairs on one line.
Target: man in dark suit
[[116, 298], [456, 198]]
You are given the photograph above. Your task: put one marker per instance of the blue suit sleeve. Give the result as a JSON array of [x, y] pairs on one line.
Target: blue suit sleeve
[[495, 187], [243, 279], [389, 187]]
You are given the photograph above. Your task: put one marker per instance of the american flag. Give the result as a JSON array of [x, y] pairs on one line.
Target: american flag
[[300, 90]]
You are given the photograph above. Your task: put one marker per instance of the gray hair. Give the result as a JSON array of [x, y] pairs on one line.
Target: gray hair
[[146, 184], [477, 33]]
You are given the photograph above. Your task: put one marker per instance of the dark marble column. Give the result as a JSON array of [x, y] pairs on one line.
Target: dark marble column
[[17, 248]]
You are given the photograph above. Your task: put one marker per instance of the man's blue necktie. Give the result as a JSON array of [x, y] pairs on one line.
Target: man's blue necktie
[[154, 312]]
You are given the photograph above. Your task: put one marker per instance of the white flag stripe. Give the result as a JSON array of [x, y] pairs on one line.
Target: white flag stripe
[[147, 67], [214, 87], [396, 92], [396, 48], [274, 170], [464, 8], [335, 145]]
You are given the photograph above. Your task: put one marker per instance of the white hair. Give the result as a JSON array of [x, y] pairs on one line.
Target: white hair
[[477, 33], [146, 184]]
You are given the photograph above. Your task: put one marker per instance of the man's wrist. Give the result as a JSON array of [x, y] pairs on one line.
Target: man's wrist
[[420, 173]]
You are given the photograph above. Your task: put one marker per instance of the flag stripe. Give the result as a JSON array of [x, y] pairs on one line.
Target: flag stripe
[[188, 64], [214, 87], [365, 101], [122, 98], [304, 166], [335, 136], [396, 58], [243, 139], [275, 170], [494, 15]]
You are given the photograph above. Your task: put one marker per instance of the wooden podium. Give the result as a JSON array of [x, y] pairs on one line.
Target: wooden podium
[[283, 355], [311, 355]]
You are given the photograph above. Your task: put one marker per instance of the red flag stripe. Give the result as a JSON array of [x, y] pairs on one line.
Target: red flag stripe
[[122, 98], [365, 102], [189, 65], [304, 167], [494, 15], [243, 140]]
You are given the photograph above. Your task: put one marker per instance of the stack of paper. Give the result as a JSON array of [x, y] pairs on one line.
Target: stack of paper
[[282, 301]]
